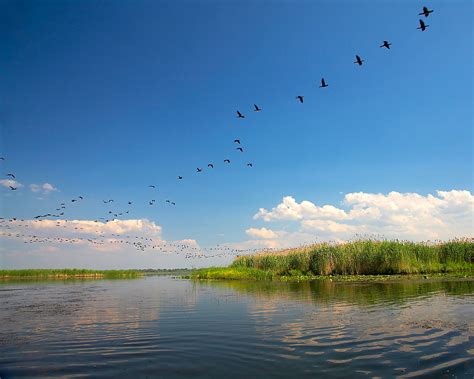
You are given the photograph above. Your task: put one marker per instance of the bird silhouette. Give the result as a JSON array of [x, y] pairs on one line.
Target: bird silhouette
[[323, 83], [198, 169], [168, 201], [11, 175], [80, 197], [237, 141], [241, 149], [2, 158], [129, 203], [180, 177], [173, 203], [226, 160], [422, 26], [240, 115], [426, 12], [300, 98], [249, 164], [358, 60], [386, 44], [152, 186], [257, 109], [12, 188], [210, 165]]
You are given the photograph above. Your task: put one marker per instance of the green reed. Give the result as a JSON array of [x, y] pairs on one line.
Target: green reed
[[360, 257], [365, 257], [68, 273]]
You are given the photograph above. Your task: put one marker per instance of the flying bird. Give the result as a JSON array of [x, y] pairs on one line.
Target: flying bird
[[12, 188], [249, 164], [240, 115], [180, 177], [168, 201], [426, 12], [257, 109], [129, 203], [386, 44], [300, 98], [173, 203], [199, 169], [80, 197], [422, 26], [323, 83], [210, 165], [2, 158], [358, 60], [237, 141], [226, 160], [152, 186], [13, 176], [241, 149]]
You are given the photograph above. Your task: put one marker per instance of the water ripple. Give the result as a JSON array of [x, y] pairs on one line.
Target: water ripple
[[160, 327]]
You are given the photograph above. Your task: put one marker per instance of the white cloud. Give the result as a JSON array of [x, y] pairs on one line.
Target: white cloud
[[447, 214], [289, 209], [142, 227], [261, 233], [10, 182], [86, 243], [35, 187], [46, 188]]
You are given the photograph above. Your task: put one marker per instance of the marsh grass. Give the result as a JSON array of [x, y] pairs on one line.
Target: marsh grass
[[361, 257], [68, 273], [231, 273]]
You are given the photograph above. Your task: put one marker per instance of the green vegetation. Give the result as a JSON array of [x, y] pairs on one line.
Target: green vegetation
[[233, 273], [68, 274], [165, 271], [363, 257]]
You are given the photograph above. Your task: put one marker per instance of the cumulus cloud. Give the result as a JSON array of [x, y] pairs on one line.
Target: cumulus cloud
[[114, 228], [261, 233], [289, 209], [444, 215], [45, 188], [10, 183], [86, 243]]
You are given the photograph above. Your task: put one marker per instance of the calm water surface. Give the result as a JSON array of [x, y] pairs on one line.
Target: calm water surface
[[165, 327]]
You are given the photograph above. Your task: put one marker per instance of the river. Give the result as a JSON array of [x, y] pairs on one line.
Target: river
[[163, 327]]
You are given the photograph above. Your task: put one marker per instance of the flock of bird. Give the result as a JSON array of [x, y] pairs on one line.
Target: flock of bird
[[142, 243]]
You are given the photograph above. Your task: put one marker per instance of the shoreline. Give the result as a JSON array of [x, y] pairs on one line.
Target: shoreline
[[204, 275], [358, 260], [61, 274]]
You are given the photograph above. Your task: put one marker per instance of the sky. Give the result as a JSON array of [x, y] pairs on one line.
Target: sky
[[101, 99]]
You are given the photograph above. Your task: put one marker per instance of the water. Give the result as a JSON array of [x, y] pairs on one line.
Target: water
[[165, 327]]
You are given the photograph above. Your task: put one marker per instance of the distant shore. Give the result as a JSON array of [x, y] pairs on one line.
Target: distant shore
[[68, 274], [363, 260]]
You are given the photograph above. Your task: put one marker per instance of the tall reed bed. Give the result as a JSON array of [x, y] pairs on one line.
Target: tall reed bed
[[68, 273], [366, 257]]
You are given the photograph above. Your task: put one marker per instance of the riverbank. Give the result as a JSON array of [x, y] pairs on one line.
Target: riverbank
[[355, 261], [68, 274]]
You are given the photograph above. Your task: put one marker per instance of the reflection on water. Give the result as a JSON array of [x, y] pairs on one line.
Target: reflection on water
[[164, 327]]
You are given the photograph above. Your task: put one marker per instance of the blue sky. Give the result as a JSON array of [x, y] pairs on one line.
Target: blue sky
[[103, 98]]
